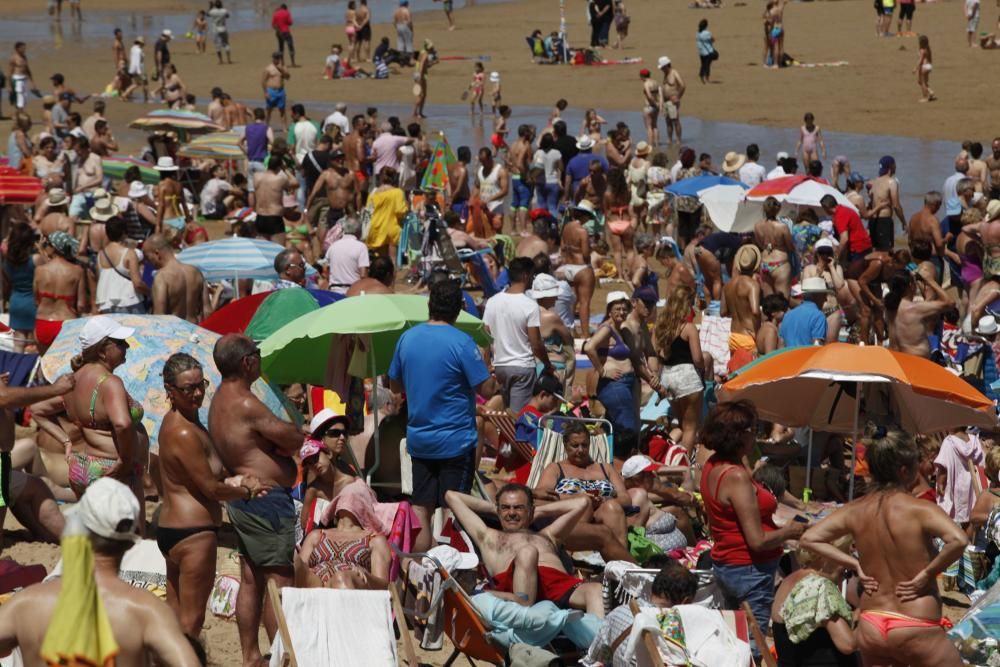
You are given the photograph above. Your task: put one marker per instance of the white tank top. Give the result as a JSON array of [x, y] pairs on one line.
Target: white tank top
[[114, 289], [489, 186]]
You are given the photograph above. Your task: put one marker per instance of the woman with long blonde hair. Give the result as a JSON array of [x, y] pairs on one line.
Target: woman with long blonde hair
[[675, 339]]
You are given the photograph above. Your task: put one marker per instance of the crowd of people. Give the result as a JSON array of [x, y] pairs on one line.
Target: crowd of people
[[557, 223]]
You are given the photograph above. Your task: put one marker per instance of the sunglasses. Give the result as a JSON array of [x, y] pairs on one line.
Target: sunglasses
[[336, 433], [191, 388]]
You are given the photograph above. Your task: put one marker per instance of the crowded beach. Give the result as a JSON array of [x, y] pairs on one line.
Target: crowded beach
[[298, 382]]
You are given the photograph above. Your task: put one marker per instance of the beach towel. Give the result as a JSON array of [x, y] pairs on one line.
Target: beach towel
[[690, 635], [714, 336], [536, 625], [337, 627]]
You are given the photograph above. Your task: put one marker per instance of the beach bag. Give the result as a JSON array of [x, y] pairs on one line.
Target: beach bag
[[640, 546], [222, 602], [714, 55], [619, 227]]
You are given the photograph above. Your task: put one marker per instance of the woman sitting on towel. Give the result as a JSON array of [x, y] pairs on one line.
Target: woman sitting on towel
[[346, 551], [326, 472], [578, 473]]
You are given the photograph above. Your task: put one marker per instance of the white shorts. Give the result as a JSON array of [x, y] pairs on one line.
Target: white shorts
[[680, 380], [19, 85], [670, 110]]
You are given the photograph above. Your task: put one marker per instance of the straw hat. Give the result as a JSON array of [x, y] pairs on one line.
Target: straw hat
[[165, 163], [136, 190], [993, 210], [733, 161], [586, 206], [58, 197], [642, 149], [747, 258], [987, 325], [103, 210]]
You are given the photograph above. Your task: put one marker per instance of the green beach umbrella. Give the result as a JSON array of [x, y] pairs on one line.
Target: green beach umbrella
[[301, 350], [281, 307]]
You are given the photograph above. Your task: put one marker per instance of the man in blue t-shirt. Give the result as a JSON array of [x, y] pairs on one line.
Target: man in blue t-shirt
[[578, 168], [440, 369], [806, 324]]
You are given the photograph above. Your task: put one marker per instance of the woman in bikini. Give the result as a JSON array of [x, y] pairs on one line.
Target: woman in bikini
[[171, 207], [617, 210], [346, 552], [776, 245], [900, 622], [60, 288], [193, 485], [591, 126], [173, 90], [577, 474], [298, 234], [115, 441], [351, 30]]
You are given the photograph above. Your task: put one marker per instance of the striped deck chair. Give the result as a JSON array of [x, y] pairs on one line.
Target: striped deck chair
[[550, 445], [510, 452]]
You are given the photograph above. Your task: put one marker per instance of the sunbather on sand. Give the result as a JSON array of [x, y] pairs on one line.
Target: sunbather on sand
[[525, 564]]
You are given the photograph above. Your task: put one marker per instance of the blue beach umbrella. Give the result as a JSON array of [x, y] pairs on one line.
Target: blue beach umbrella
[[235, 258], [156, 338]]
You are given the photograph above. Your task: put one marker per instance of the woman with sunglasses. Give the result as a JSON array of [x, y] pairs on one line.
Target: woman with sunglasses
[[325, 472], [193, 485], [115, 442]]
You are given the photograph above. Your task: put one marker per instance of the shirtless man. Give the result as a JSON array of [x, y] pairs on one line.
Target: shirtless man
[[354, 150], [776, 245], [867, 289], [924, 226], [458, 182], [269, 187], [272, 82], [341, 190], [250, 440], [103, 142], [675, 271], [993, 164], [170, 292], [978, 170], [898, 563], [534, 243], [518, 165], [380, 279], [671, 92], [109, 514], [741, 301], [88, 174], [363, 18], [118, 53], [525, 564], [911, 321], [593, 186], [235, 113], [885, 205], [20, 76], [55, 214], [576, 268], [215, 110]]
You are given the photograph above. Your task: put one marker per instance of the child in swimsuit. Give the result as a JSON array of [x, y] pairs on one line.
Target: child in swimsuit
[[475, 91], [810, 137], [923, 70]]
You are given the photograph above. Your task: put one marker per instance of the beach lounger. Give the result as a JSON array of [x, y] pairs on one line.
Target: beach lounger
[[510, 452], [321, 626], [550, 445]]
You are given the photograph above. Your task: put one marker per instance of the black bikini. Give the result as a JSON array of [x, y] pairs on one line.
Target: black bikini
[[168, 538]]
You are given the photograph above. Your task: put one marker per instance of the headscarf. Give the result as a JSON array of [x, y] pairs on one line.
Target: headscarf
[[64, 244]]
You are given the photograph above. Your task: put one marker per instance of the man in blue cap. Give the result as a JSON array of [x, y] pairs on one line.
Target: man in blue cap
[[885, 204]]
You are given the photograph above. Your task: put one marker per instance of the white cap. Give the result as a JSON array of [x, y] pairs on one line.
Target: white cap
[[167, 32], [100, 327], [109, 509], [617, 295], [452, 559], [781, 155], [823, 243], [638, 464], [662, 62], [324, 417], [826, 226], [494, 77], [544, 286]]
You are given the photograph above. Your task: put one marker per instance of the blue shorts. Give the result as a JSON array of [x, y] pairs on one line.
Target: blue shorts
[[276, 98], [521, 199], [461, 206], [753, 584]]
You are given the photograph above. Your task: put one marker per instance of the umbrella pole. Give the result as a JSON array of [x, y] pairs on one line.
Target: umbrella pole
[[807, 491], [378, 450], [854, 442]]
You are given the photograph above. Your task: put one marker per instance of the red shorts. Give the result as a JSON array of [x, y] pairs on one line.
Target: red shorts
[[553, 585], [46, 331], [498, 141]]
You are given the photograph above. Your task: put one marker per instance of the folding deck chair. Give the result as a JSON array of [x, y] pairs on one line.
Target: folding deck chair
[[509, 449], [550, 445]]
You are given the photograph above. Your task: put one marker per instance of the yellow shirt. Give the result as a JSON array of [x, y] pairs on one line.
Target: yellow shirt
[[388, 206]]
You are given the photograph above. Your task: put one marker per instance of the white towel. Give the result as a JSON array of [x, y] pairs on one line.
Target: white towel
[[348, 627]]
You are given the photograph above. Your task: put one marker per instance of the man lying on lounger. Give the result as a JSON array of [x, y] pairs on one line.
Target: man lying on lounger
[[525, 564]]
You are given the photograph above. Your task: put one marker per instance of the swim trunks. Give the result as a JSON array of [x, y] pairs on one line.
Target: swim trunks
[[276, 98], [553, 585], [265, 528], [269, 225], [670, 110]]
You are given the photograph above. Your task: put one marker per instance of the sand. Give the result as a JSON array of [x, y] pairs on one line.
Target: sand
[[875, 93]]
